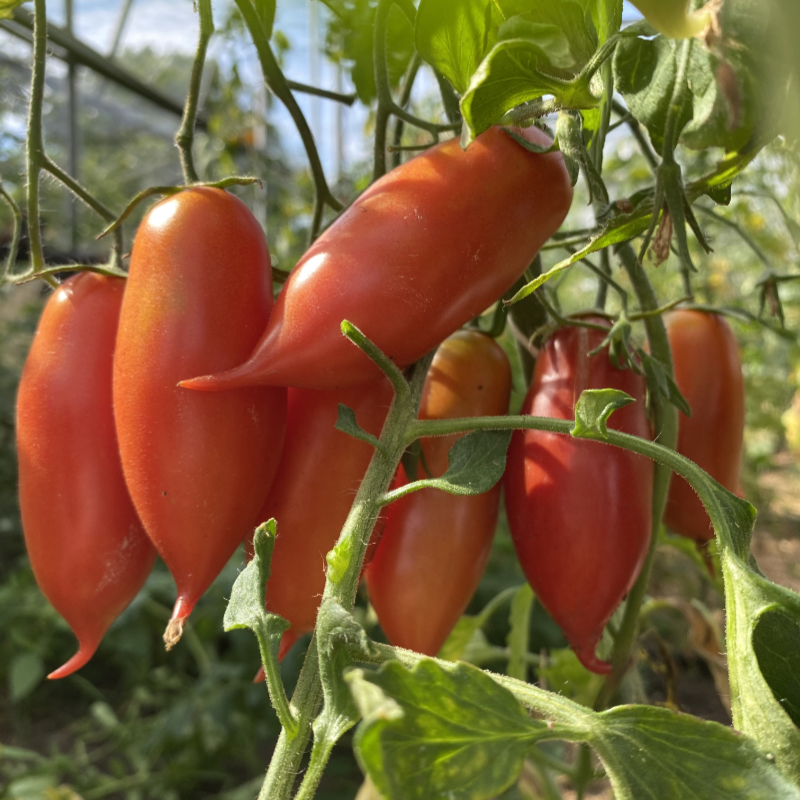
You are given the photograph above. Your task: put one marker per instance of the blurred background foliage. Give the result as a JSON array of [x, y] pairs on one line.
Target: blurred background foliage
[[141, 724]]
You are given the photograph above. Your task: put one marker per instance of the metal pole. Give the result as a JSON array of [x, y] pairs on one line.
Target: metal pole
[[122, 21]]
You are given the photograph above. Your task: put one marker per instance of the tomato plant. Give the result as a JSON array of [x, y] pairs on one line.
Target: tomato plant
[[198, 467], [321, 462], [708, 372], [436, 240], [89, 552], [434, 546], [659, 130], [579, 514]]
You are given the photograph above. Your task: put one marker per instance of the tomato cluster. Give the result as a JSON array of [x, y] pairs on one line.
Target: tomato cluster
[[119, 459]]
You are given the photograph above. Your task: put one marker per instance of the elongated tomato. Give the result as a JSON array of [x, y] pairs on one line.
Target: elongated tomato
[[579, 511], [708, 372], [424, 250], [434, 547], [88, 550], [198, 466], [319, 473]]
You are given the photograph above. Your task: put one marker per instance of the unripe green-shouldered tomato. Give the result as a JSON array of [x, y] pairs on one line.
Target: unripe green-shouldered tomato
[[434, 546], [198, 466], [89, 552], [579, 511], [318, 477], [708, 372], [421, 252]]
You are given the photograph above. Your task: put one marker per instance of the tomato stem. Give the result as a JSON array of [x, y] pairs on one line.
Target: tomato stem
[[185, 135]]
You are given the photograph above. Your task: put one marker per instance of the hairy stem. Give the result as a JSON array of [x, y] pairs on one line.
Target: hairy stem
[[341, 584], [185, 136]]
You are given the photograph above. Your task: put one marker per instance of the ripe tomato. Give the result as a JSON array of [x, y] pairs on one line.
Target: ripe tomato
[[88, 550], [198, 467], [318, 476], [579, 511], [709, 374], [425, 249], [434, 547]]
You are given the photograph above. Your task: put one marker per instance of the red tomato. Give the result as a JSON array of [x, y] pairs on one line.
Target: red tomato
[[434, 547], [579, 511], [424, 250], [319, 473], [88, 550], [198, 467], [709, 374]]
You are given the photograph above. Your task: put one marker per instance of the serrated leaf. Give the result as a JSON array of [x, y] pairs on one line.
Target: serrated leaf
[[453, 37], [477, 461], [593, 409], [246, 607], [436, 732], [659, 754], [346, 423]]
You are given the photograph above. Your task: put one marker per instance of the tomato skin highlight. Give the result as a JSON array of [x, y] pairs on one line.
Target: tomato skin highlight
[[434, 546], [319, 474], [708, 372], [88, 550], [198, 467], [579, 511], [421, 252]]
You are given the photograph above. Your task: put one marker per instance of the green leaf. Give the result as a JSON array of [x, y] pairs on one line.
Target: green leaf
[[246, 608], [659, 754], [513, 73], [776, 643], [477, 461], [440, 732], [350, 39], [661, 382], [463, 635], [346, 423], [593, 409], [454, 37], [7, 8], [722, 109], [24, 675]]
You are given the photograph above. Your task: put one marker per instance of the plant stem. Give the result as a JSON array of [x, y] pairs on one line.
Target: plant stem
[[185, 136], [405, 96], [342, 582], [338, 97], [34, 156], [13, 247], [279, 86], [665, 425]]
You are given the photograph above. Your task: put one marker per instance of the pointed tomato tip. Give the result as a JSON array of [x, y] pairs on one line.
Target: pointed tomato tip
[[260, 676], [240, 377], [589, 659], [174, 631], [80, 659]]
